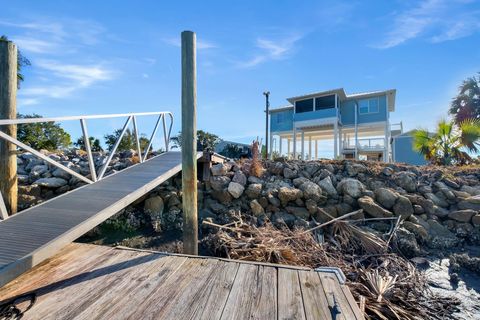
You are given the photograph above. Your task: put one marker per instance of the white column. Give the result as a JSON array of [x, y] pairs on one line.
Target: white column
[[270, 152], [288, 148], [302, 148], [356, 131], [280, 146], [316, 149], [335, 140], [310, 148], [294, 142], [386, 152], [340, 141]]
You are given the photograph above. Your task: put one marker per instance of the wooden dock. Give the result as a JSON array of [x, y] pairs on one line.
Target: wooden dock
[[95, 282], [33, 235]]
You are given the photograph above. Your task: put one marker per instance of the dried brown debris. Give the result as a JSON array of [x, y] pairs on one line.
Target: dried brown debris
[[388, 284]]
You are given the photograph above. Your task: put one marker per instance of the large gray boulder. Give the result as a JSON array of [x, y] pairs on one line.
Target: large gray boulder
[[59, 173], [235, 189], [351, 187], [219, 183], [327, 186], [289, 173], [462, 215], [472, 202], [372, 208], [51, 182], [240, 178], [386, 197], [403, 207], [253, 190], [219, 169], [154, 206], [312, 191], [353, 169], [406, 180]]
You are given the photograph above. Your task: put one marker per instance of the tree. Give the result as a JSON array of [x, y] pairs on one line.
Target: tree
[[44, 135], [466, 105], [450, 144], [94, 144], [128, 141], [22, 61], [205, 140]]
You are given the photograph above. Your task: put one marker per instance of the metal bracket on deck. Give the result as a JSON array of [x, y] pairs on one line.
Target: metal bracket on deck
[[338, 273]]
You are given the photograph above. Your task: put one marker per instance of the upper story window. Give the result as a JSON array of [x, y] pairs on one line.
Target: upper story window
[[279, 117], [304, 105], [366, 106], [327, 102]]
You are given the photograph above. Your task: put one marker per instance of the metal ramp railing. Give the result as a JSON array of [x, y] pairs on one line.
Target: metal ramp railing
[[94, 175]]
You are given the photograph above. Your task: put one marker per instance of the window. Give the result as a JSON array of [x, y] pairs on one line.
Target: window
[[366, 106], [327, 102], [304, 105]]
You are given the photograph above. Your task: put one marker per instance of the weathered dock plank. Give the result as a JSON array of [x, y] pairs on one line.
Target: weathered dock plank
[[36, 234], [94, 282]]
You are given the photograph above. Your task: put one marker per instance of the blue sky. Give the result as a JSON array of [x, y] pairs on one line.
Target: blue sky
[[91, 57]]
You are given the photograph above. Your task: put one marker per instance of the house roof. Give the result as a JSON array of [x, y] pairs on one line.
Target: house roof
[[281, 108], [390, 93]]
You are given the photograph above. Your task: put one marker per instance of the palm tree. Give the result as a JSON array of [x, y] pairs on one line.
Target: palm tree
[[21, 62], [451, 143], [467, 104]]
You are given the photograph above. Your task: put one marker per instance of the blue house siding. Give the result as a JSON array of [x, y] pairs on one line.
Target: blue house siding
[[281, 121], [403, 151], [320, 114], [347, 111]]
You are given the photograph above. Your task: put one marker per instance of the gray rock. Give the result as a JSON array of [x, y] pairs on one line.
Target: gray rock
[[219, 183], [23, 178], [289, 173], [462, 215], [386, 197], [59, 173], [298, 212], [437, 200], [353, 169], [253, 179], [257, 209], [254, 190], [235, 189], [312, 191], [219, 169], [38, 170], [273, 200], [372, 208], [474, 191], [420, 232], [154, 206], [240, 178], [286, 194], [351, 187], [327, 186], [51, 182], [223, 196], [476, 220], [281, 218], [403, 207], [406, 180], [472, 202]]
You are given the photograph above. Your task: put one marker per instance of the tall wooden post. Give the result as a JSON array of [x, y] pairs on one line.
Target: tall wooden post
[[8, 110], [189, 143]]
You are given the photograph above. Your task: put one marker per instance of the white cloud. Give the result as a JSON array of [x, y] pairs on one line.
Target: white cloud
[[46, 35], [436, 20], [72, 77], [271, 50], [27, 102]]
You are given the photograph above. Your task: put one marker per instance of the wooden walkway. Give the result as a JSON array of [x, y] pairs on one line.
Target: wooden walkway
[[36, 234], [95, 282]]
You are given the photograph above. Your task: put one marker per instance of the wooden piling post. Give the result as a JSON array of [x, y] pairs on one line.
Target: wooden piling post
[[189, 143], [8, 110]]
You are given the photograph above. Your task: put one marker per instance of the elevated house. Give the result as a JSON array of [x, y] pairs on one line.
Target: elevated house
[[358, 124]]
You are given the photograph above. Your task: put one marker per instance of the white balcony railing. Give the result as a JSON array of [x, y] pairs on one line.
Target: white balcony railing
[[365, 144]]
